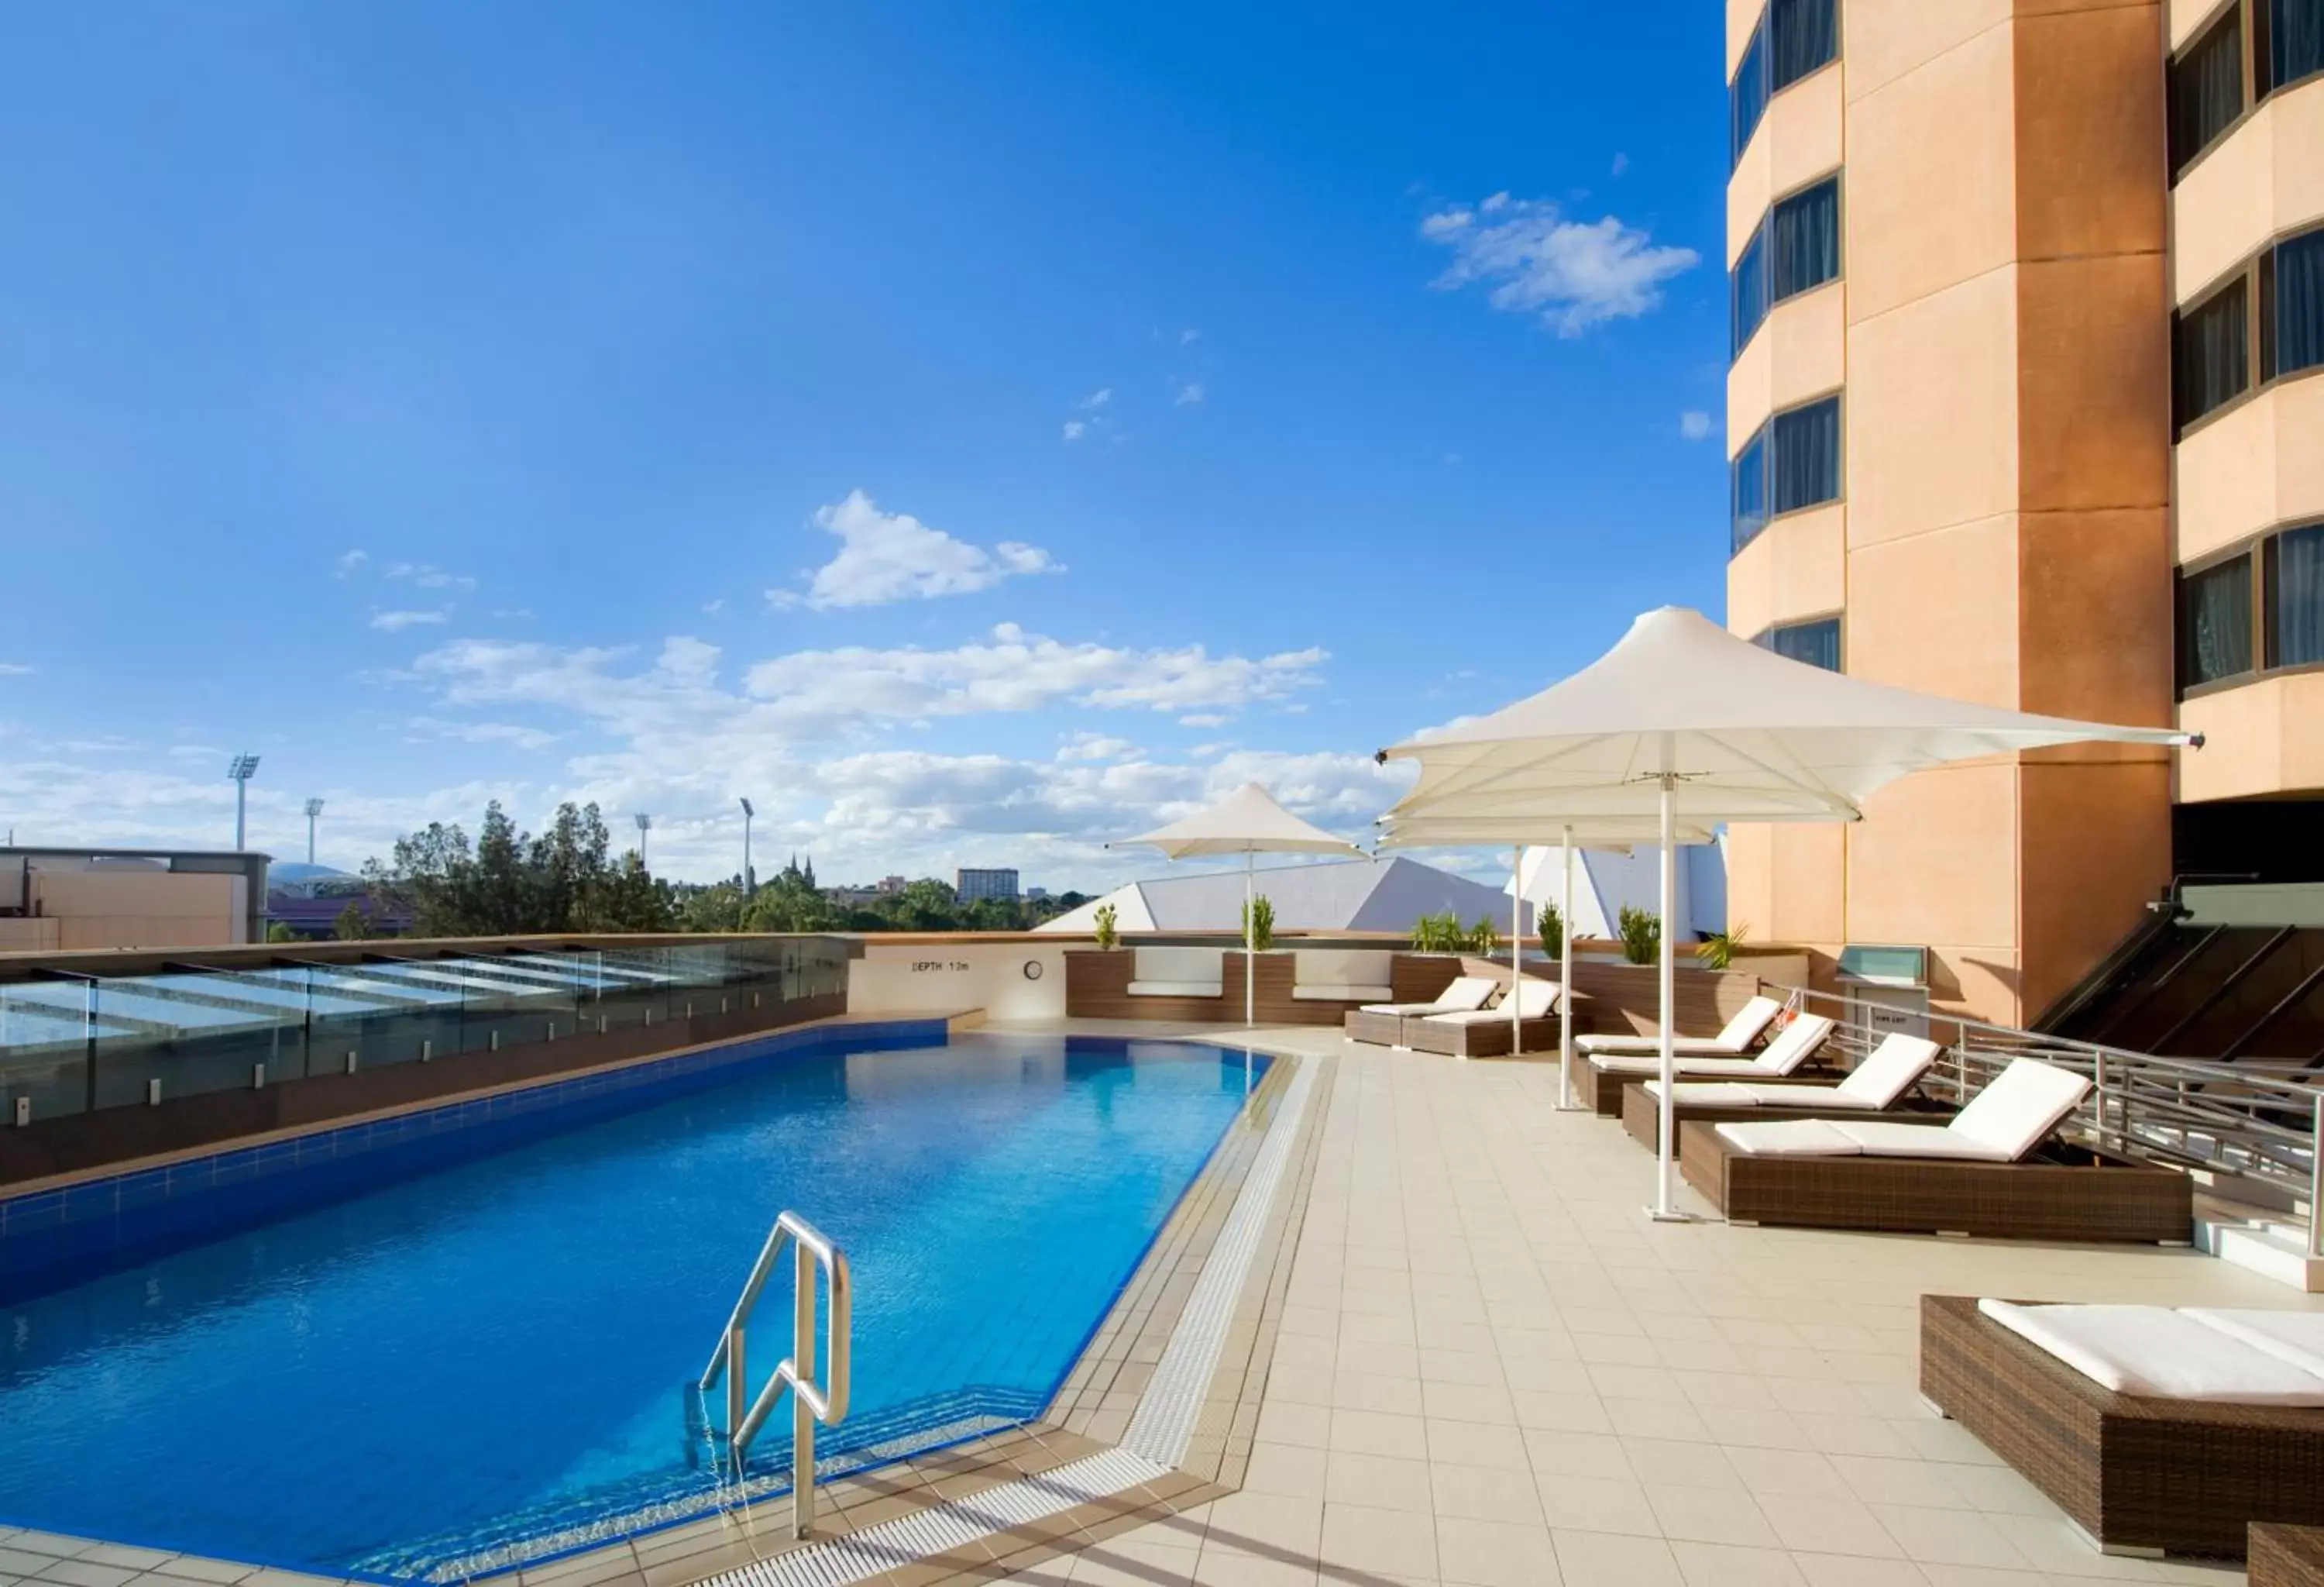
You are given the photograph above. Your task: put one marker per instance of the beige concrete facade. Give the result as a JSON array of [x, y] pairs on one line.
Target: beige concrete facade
[[128, 909], [2001, 335]]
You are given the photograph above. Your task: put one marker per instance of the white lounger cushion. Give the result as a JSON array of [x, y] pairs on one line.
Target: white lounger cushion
[[1536, 999], [1340, 995], [1177, 989], [1895, 1067], [2003, 1122], [1468, 991], [1791, 1047], [1333, 972], [2297, 1337], [2164, 1354], [1741, 1032]]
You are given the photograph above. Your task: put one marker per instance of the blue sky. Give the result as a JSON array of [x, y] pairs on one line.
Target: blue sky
[[970, 431]]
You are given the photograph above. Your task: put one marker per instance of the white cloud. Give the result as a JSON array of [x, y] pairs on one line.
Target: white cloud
[[1573, 274], [1075, 428], [1621, 163], [16, 670], [1095, 746], [1185, 338], [1189, 395], [1097, 399], [480, 733], [715, 607], [349, 562], [428, 577], [887, 557], [1694, 424], [1204, 719], [397, 622]]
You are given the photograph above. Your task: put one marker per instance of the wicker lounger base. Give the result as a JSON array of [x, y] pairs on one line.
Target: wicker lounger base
[[1485, 1038], [2284, 1555], [1641, 1115], [1381, 1029], [2137, 1475], [1600, 1090], [2068, 1195]]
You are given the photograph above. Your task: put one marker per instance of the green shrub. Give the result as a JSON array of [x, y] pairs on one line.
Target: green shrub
[[1552, 931], [1107, 938], [1439, 934], [1717, 949], [1481, 938], [1642, 935], [1258, 923]]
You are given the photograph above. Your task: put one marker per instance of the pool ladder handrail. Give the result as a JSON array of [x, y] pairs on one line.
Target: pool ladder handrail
[[813, 1399]]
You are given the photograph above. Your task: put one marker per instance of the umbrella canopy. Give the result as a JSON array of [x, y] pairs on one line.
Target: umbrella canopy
[[1763, 738], [1249, 822], [1683, 717]]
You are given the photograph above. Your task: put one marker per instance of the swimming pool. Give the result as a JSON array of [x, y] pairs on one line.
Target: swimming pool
[[501, 1349]]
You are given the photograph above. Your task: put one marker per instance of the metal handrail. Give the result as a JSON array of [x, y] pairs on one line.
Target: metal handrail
[[2257, 1123], [813, 1399]]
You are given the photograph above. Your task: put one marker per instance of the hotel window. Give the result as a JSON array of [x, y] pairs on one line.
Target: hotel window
[[2216, 78], [1793, 462], [1796, 247], [1794, 39], [1817, 643], [2254, 611], [2266, 322], [2294, 567]]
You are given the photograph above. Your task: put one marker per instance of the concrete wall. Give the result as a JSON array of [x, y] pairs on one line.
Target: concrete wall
[[930, 977], [133, 908]]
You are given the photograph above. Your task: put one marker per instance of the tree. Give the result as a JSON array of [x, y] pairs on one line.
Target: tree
[[280, 932], [508, 883], [352, 924]]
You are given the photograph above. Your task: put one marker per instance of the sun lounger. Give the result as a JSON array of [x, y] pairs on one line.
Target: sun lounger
[[1994, 1170], [1876, 1085], [1599, 1084], [1181, 973], [1484, 1033], [2155, 1431], [1382, 1024], [2285, 1556], [1749, 1023]]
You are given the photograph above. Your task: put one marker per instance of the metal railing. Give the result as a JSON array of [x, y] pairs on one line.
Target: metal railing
[[2255, 1130], [813, 1399]]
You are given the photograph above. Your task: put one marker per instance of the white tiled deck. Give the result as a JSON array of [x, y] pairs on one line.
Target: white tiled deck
[[1495, 1369]]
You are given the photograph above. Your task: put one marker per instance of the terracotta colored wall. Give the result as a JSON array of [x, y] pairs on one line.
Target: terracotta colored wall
[[2007, 452]]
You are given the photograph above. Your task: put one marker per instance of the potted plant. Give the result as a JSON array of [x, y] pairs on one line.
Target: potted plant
[[1717, 949], [1553, 932], [1108, 938], [1642, 935], [1258, 923]]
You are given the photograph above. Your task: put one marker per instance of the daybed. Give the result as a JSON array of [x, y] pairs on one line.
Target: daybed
[[1484, 1033], [1598, 1085], [1881, 1083], [1750, 1022], [1382, 1024], [1993, 1170], [2163, 1452]]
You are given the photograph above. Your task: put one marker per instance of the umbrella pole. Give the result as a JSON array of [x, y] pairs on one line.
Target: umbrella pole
[[1566, 979], [1516, 941], [1250, 935], [1666, 977]]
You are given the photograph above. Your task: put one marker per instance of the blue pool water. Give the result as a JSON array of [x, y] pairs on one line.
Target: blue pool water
[[501, 1349]]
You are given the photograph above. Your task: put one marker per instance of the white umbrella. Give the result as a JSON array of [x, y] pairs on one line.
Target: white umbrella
[[1681, 711], [1605, 831], [1249, 822]]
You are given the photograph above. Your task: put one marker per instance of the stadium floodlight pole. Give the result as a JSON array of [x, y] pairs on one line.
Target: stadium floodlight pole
[[747, 888], [314, 808], [645, 825], [242, 769]]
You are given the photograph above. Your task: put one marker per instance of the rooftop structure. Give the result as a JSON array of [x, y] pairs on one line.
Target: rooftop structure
[[1972, 454], [61, 899], [1387, 894], [973, 884]]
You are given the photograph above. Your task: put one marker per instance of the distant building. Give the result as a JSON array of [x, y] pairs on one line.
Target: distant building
[[973, 885], [309, 900], [53, 899]]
